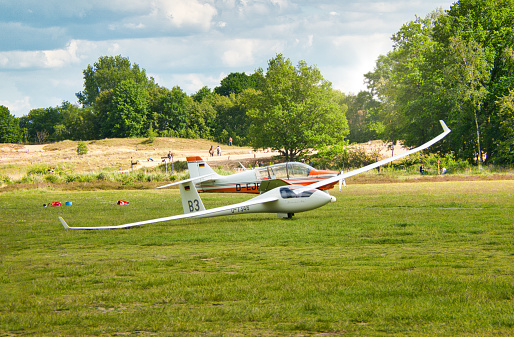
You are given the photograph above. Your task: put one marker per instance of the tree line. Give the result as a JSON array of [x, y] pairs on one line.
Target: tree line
[[119, 100], [456, 65]]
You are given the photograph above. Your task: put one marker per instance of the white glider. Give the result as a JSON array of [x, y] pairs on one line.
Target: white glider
[[283, 200]]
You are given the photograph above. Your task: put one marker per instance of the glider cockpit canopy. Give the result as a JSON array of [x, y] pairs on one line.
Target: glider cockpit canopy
[[291, 192], [284, 171]]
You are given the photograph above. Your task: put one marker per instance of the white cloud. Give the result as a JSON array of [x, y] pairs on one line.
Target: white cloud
[[17, 106], [186, 13], [239, 53], [40, 59], [190, 43]]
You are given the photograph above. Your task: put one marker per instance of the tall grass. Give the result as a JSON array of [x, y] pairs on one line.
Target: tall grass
[[424, 259], [40, 173]]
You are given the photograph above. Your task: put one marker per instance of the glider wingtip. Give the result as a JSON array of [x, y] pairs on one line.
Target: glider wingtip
[[65, 225], [445, 127]]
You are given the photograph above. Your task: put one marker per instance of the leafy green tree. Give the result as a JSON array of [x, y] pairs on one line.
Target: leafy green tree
[[76, 123], [295, 109], [362, 117], [408, 85], [201, 119], [103, 109], [40, 124], [9, 127], [107, 73], [482, 34], [452, 66], [128, 117], [201, 94], [80, 123], [231, 119], [170, 110], [505, 145], [235, 83], [468, 74]]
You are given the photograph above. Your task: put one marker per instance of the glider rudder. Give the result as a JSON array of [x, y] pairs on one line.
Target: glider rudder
[[198, 167], [191, 201]]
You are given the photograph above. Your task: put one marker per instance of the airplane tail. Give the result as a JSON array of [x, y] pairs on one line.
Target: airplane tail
[[191, 201], [198, 167]]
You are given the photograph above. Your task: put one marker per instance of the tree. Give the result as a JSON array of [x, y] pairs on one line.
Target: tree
[[170, 110], [204, 92], [481, 32], [505, 146], [407, 83], [452, 66], [107, 74], [201, 119], [40, 124], [231, 119], [129, 108], [362, 117], [9, 127], [295, 109], [235, 83], [103, 108], [468, 75]]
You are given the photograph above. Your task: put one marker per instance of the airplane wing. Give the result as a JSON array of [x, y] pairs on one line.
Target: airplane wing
[[342, 176], [270, 184], [224, 210], [200, 179]]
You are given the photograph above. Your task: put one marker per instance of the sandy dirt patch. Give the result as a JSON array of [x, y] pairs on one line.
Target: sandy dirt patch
[[118, 154]]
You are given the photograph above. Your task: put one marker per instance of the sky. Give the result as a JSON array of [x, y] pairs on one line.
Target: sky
[[46, 45]]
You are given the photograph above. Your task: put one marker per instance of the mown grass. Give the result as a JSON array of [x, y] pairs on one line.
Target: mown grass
[[423, 259]]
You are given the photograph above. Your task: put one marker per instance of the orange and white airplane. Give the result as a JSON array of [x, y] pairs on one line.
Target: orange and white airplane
[[256, 180]]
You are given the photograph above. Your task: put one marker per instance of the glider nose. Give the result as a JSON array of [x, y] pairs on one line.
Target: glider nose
[[332, 198]]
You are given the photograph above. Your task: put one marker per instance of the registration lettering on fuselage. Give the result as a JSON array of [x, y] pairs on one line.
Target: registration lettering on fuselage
[[247, 187], [240, 209]]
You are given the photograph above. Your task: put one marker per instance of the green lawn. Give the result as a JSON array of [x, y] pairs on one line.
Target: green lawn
[[409, 259]]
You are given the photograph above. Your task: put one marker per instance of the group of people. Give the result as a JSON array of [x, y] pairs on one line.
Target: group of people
[[218, 149]]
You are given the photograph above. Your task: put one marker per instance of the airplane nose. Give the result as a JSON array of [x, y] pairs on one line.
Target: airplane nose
[[332, 198]]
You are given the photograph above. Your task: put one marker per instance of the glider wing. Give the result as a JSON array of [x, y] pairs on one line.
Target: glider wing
[[224, 210], [203, 178], [342, 176]]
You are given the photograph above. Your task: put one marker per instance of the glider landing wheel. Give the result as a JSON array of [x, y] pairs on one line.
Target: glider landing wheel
[[290, 215]]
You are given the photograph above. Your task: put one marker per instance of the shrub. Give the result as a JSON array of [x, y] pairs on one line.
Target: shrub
[[5, 179], [102, 176], [81, 148], [52, 178], [38, 169]]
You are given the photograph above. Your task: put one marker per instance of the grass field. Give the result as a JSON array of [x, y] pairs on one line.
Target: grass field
[[407, 259]]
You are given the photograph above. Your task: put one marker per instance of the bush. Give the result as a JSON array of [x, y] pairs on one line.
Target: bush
[[81, 148], [38, 169], [5, 179], [44, 169], [102, 176], [52, 178]]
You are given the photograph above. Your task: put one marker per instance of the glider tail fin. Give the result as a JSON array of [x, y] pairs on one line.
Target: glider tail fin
[[191, 201], [198, 167]]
